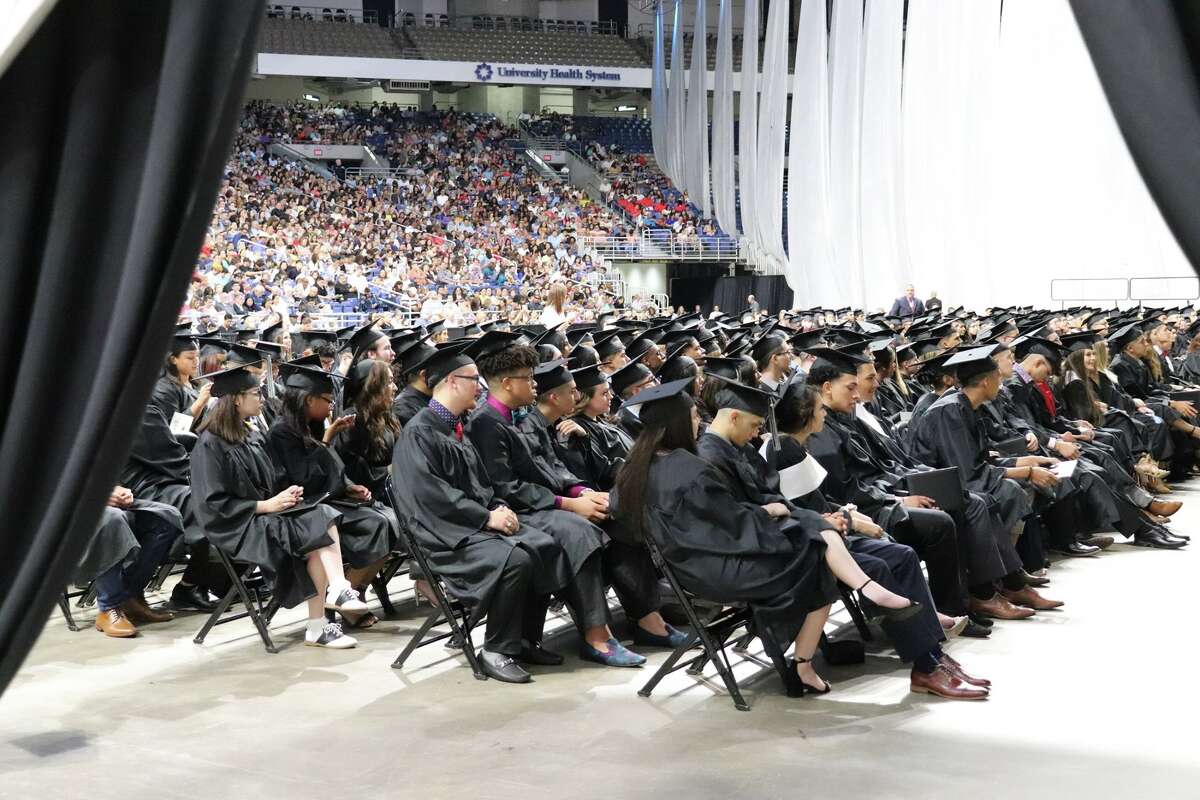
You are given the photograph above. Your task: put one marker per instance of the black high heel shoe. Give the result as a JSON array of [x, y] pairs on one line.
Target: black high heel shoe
[[795, 686], [890, 614]]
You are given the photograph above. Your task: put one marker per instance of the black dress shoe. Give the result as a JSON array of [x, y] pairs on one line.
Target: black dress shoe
[[1152, 537], [191, 598], [542, 658], [981, 621], [1033, 580], [975, 630], [503, 668], [1077, 550]]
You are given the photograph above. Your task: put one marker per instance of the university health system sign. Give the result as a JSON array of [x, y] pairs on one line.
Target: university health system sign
[[507, 73]]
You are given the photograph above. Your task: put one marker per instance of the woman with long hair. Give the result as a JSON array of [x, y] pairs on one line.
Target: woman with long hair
[[299, 444], [254, 517], [173, 391], [554, 313], [727, 551], [596, 456]]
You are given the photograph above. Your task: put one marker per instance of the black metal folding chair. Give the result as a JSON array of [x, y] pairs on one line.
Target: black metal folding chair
[[449, 611], [64, 605], [260, 614], [710, 634]]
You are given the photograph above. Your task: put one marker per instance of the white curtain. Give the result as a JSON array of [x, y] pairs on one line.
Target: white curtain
[[724, 202], [813, 271], [884, 244], [772, 129], [695, 134], [845, 129], [658, 91], [748, 121], [676, 101]]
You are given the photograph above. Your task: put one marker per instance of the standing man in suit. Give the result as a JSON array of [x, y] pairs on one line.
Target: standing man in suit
[[909, 305]]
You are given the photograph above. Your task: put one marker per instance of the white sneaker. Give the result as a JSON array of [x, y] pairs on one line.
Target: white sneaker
[[332, 637], [345, 600]]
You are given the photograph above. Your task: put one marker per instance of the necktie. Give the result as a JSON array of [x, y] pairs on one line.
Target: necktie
[[458, 430]]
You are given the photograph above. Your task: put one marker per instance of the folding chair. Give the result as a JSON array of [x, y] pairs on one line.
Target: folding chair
[[447, 610], [64, 605], [712, 636], [856, 614], [259, 614]]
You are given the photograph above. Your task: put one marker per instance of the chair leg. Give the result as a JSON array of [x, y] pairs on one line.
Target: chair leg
[[667, 665], [417, 638], [216, 614], [64, 605], [856, 614], [381, 592], [256, 613], [716, 654]]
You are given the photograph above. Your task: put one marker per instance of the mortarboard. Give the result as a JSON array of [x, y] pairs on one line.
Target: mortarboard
[[233, 381], [966, 364], [632, 373], [587, 377], [842, 362], [740, 397], [551, 375]]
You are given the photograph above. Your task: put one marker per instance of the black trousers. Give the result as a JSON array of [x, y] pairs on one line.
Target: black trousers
[[585, 593], [508, 614], [896, 567], [630, 571], [933, 535]]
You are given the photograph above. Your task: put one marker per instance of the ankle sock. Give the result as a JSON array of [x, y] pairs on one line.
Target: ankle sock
[[314, 627]]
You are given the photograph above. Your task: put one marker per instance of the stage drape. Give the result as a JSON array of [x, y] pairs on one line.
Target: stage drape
[[845, 141], [676, 102], [723, 175], [121, 116], [772, 132], [1147, 53], [748, 124], [695, 132], [658, 93]]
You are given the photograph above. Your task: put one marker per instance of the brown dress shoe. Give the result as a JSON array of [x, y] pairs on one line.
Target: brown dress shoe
[[956, 669], [1164, 508], [142, 614], [943, 683], [1029, 598], [115, 624], [999, 608]]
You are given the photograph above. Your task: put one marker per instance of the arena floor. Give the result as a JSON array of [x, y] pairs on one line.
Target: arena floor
[[1095, 701]]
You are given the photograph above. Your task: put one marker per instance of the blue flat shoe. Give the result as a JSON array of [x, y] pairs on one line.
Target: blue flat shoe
[[617, 656], [673, 639]]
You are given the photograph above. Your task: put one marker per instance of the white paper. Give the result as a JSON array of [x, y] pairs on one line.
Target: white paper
[[181, 423], [799, 480], [1064, 469]]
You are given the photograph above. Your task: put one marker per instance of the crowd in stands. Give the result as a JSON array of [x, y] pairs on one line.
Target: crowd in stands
[[463, 230]]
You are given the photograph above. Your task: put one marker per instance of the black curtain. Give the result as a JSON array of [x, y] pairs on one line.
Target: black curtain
[[119, 117], [1147, 53], [705, 286]]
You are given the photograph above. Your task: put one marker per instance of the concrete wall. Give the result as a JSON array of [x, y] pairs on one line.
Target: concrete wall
[[643, 276], [282, 89]]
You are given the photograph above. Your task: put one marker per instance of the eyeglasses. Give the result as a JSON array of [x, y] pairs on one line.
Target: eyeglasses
[[521, 377]]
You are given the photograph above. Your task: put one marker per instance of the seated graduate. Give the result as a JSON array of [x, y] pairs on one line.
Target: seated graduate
[[726, 550], [916, 630], [627, 564], [299, 445], [611, 351], [772, 356], [132, 539], [739, 368], [159, 469], [238, 501], [597, 455], [411, 349], [174, 392], [627, 382], [950, 434], [564, 509], [488, 557]]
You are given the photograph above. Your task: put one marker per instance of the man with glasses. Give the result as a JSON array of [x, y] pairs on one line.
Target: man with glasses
[[772, 356], [487, 556], [555, 502]]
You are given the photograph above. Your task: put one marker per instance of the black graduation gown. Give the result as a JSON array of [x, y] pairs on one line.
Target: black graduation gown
[[853, 474], [729, 551], [365, 464], [630, 422], [114, 541], [368, 532], [525, 480], [408, 404], [443, 496], [228, 480], [159, 469], [172, 398], [597, 457]]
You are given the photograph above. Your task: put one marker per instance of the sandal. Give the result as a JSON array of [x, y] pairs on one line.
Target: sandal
[[795, 686], [362, 621], [890, 614]]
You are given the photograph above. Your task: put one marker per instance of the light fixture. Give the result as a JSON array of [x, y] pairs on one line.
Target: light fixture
[[312, 98], [625, 108]]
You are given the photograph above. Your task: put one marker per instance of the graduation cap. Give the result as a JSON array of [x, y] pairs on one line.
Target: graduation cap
[[677, 365], [936, 365], [311, 360], [587, 377], [844, 337], [552, 336], [444, 361], [551, 375], [434, 327], [740, 397], [1123, 337], [905, 352], [1080, 341], [765, 346], [925, 347], [657, 393], [632, 373], [308, 340], [272, 330], [355, 379], [245, 334], [183, 328], [641, 345], [842, 362], [578, 334], [182, 343], [608, 345], [491, 343], [365, 338], [244, 354], [723, 367], [1036, 346], [966, 364], [414, 353], [583, 356], [305, 378], [233, 381], [275, 351], [212, 346]]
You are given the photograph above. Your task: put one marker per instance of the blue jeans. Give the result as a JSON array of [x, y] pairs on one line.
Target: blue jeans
[[119, 583]]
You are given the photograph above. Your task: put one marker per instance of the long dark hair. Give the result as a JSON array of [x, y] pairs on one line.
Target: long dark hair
[[295, 415], [666, 425], [1080, 394], [374, 413], [224, 421]]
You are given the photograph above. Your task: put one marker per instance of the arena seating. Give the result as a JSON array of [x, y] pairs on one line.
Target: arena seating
[[319, 38], [523, 47]]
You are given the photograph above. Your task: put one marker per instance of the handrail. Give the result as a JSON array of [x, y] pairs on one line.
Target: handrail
[[319, 13], [659, 245]]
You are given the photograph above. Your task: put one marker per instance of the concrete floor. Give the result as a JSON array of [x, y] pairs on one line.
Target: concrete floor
[[1087, 702]]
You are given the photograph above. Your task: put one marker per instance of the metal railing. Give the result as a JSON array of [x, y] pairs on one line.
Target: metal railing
[[1117, 290], [320, 13], [656, 245]]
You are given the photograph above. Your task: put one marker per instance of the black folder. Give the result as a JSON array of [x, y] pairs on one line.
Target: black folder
[[1016, 446], [1189, 396], [942, 485]]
